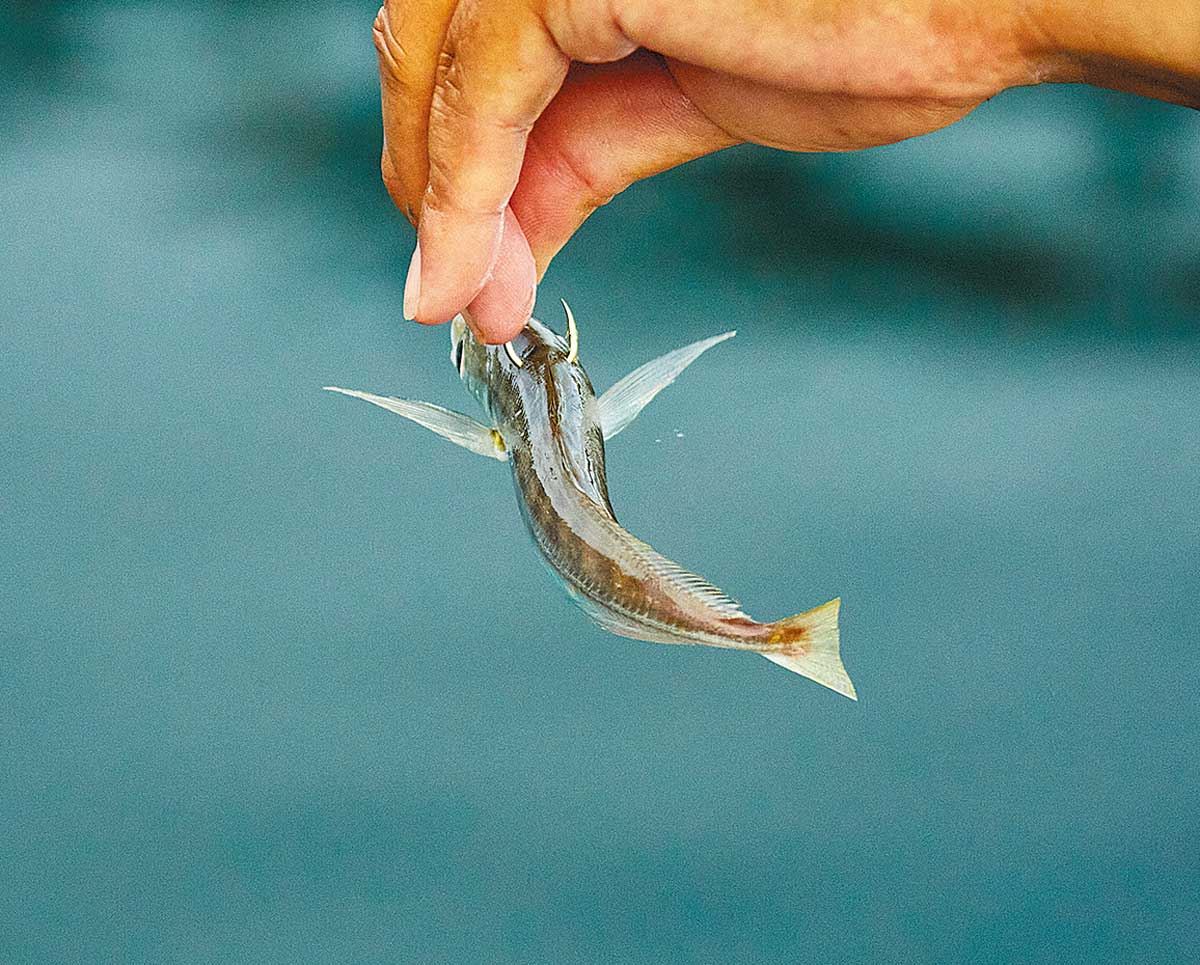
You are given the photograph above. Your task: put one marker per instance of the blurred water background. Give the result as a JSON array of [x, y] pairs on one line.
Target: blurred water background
[[280, 679]]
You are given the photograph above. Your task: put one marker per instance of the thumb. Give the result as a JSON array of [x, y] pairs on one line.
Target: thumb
[[609, 126], [503, 305]]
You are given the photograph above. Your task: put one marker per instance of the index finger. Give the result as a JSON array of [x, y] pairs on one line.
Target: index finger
[[498, 69]]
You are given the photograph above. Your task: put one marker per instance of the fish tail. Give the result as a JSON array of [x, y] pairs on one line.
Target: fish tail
[[807, 644]]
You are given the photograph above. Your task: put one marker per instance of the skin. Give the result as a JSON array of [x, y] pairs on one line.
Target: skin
[[507, 122]]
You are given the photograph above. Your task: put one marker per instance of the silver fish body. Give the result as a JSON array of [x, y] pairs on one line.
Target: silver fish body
[[547, 421]]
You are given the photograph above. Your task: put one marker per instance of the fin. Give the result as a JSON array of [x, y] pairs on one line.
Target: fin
[[699, 587], [460, 429], [816, 655], [622, 402]]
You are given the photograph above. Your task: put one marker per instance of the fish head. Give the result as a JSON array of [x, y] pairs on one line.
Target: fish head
[[483, 368], [472, 360], [460, 335]]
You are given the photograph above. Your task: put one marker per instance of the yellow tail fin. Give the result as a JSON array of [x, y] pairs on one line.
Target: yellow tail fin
[[813, 637]]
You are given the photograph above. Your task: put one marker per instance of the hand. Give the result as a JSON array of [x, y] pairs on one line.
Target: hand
[[507, 122]]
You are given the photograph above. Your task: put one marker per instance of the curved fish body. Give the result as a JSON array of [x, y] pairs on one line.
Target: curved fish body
[[547, 422]]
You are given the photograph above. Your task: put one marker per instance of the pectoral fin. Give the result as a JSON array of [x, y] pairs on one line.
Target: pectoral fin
[[460, 429], [622, 402]]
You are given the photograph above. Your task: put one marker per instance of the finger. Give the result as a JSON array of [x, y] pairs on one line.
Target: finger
[[499, 68], [609, 126], [408, 37], [503, 306], [606, 128]]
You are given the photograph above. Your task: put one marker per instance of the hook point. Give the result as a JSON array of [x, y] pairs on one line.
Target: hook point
[[572, 334]]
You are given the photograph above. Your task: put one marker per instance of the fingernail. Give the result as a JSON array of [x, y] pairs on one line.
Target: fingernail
[[412, 285]]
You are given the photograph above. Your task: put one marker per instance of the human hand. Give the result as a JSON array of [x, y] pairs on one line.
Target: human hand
[[507, 122]]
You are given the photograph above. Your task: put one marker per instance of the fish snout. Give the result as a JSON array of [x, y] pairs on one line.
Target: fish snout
[[458, 342]]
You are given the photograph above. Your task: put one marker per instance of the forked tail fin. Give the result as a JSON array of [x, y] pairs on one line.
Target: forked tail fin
[[814, 636]]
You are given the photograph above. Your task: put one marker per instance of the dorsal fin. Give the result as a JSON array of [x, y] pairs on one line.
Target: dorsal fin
[[696, 586]]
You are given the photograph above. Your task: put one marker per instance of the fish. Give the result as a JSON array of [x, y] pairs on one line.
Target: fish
[[544, 418]]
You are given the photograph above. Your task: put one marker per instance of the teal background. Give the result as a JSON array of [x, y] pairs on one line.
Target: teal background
[[280, 680]]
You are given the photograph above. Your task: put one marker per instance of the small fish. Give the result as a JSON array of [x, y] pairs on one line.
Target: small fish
[[547, 422]]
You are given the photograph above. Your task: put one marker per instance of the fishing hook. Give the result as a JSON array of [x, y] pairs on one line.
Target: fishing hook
[[572, 334]]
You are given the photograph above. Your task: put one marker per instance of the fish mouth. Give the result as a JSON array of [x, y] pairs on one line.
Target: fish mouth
[[458, 343]]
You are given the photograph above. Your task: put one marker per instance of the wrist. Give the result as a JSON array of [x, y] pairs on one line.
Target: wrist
[[1150, 48]]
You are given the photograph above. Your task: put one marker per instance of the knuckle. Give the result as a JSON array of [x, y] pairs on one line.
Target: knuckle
[[446, 118], [629, 17], [440, 188], [450, 108], [591, 32], [457, 103], [447, 193], [449, 97], [391, 52], [588, 184]]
